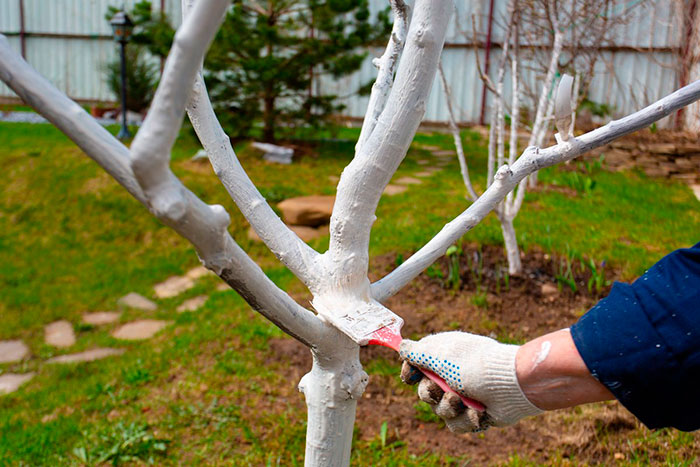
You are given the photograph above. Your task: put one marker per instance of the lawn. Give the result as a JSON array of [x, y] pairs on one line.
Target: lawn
[[205, 390]]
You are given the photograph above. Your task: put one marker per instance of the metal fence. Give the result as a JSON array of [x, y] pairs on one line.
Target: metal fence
[[69, 42]]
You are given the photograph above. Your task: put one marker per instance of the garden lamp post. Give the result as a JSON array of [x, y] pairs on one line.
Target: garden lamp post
[[121, 29]]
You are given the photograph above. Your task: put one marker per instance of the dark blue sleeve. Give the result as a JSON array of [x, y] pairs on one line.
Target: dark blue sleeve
[[643, 342]]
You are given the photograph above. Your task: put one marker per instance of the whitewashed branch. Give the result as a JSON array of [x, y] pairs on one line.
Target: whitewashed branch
[[531, 160], [386, 64], [454, 129], [69, 117], [364, 179], [280, 239], [232, 264]]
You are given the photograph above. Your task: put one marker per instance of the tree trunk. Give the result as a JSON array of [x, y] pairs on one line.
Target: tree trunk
[[511, 243], [269, 120], [331, 389]]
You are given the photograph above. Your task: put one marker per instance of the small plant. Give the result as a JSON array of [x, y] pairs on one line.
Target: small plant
[[597, 281], [382, 433], [120, 444], [435, 272], [565, 274], [137, 375], [453, 279], [502, 275]]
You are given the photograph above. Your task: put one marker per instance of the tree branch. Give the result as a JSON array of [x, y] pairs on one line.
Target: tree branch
[[506, 179], [230, 262], [280, 239], [456, 136], [385, 77], [364, 179]]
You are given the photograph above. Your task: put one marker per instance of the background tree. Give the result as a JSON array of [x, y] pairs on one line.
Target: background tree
[[267, 56], [337, 278]]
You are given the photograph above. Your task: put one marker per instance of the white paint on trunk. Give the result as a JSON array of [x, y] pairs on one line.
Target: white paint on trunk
[[338, 279]]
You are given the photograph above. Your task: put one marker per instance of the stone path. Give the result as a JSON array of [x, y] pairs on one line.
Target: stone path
[[139, 330], [193, 304], [139, 302], [59, 334], [10, 382], [99, 318], [87, 356], [173, 286], [13, 351]]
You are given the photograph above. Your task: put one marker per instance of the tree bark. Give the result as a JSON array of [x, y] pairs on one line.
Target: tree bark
[[331, 389], [515, 266]]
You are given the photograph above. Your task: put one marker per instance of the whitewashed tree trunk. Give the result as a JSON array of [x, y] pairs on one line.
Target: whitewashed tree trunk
[[338, 278]]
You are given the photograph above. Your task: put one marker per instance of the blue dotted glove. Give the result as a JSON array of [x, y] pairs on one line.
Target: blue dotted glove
[[475, 366]]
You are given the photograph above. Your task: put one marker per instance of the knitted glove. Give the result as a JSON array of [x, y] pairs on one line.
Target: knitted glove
[[475, 366]]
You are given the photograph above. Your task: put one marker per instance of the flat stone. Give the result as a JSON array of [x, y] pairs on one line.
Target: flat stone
[[549, 290], [13, 351], [442, 163], [59, 334], [392, 190], [222, 287], [444, 152], [309, 233], [134, 300], [87, 356], [696, 191], [173, 286], [198, 272], [310, 211], [662, 148], [428, 147], [99, 318], [138, 330], [424, 174], [408, 181], [333, 178], [192, 304], [423, 162], [10, 382]]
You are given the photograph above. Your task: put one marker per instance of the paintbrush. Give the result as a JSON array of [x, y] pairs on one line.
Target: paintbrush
[[370, 323]]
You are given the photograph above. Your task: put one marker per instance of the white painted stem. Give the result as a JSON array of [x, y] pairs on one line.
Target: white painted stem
[[280, 239], [454, 129], [364, 179], [507, 178], [539, 126], [386, 65], [332, 388], [511, 245], [69, 117]]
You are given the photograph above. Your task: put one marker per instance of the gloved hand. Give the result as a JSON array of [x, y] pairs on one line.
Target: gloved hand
[[475, 366]]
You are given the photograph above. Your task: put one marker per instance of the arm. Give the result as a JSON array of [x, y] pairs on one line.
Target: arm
[[639, 345], [552, 374]]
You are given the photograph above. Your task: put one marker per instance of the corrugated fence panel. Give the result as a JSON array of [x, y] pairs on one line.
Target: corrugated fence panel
[[75, 66], [4, 90], [625, 79], [9, 16]]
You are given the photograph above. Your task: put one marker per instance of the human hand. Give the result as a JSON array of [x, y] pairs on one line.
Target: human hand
[[475, 366]]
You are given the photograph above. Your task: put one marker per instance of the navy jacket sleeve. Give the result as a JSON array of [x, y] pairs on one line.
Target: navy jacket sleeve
[[643, 342]]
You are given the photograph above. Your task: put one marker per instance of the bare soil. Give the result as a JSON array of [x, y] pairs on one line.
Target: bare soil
[[598, 433]]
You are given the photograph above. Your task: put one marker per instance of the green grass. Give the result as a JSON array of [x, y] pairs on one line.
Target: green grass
[[72, 240]]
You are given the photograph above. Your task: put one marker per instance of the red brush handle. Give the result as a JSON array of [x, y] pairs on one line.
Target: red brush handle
[[390, 337]]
